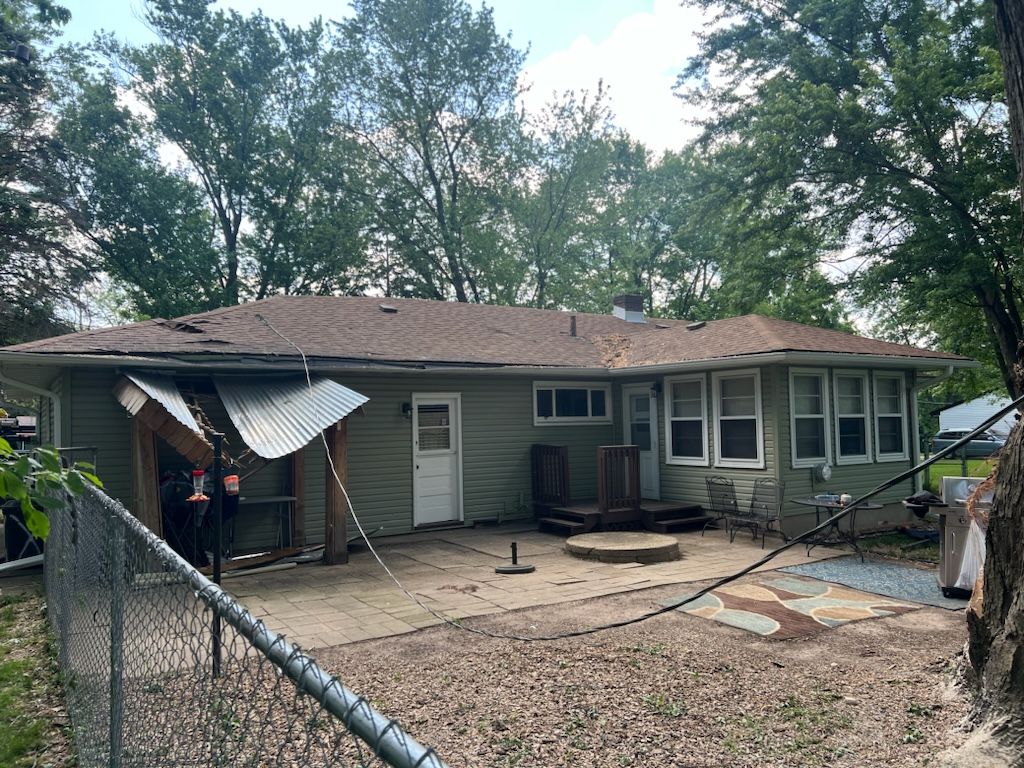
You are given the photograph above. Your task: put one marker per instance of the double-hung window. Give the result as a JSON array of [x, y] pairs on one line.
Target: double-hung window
[[808, 417], [571, 403], [853, 431], [890, 416], [685, 425], [739, 437]]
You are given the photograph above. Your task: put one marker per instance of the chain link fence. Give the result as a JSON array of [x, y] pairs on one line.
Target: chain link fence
[[163, 668]]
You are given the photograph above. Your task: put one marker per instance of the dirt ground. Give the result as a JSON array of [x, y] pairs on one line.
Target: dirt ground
[[35, 733], [676, 690]]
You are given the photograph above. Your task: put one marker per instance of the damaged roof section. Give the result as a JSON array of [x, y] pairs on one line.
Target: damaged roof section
[[360, 330], [274, 415], [277, 416], [154, 399]]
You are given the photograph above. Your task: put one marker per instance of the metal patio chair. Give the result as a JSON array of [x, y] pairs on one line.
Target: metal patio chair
[[722, 497], [766, 507]]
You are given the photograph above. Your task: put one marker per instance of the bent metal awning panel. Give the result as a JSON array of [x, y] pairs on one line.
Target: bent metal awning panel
[[163, 389], [278, 416], [155, 401]]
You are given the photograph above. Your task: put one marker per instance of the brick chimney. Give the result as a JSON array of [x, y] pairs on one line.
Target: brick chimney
[[629, 307]]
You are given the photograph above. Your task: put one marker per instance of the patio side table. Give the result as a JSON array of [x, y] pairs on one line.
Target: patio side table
[[834, 534]]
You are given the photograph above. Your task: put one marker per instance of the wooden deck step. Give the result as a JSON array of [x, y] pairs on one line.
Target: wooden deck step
[[561, 525], [675, 524], [667, 516]]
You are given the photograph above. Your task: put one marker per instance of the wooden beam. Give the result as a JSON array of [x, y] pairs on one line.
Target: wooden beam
[[299, 492], [336, 511], [145, 483]]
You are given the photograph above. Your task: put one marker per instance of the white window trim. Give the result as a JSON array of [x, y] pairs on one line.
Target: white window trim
[[822, 375], [879, 456], [686, 461], [864, 458], [549, 421], [716, 378]]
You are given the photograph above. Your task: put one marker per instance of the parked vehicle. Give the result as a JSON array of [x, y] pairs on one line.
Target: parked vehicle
[[984, 445]]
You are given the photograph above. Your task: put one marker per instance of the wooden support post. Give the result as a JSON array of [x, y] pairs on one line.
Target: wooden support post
[[145, 483], [299, 492], [336, 510]]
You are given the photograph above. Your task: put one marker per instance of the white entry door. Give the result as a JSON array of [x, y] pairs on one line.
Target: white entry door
[[639, 407], [437, 459]]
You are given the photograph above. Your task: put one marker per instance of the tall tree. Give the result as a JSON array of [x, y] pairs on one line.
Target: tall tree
[[886, 117], [239, 109], [555, 215], [38, 269], [149, 226], [430, 92], [997, 634]]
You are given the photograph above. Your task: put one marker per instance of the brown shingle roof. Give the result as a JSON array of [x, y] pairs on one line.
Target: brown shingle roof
[[749, 335], [356, 328]]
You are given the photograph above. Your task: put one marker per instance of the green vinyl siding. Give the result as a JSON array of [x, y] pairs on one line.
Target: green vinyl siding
[[45, 428], [94, 419], [497, 433], [316, 489], [854, 479], [689, 483]]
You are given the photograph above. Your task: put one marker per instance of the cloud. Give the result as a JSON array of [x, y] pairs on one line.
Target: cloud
[[639, 62]]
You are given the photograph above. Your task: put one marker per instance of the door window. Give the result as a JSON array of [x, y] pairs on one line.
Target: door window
[[434, 424], [640, 421]]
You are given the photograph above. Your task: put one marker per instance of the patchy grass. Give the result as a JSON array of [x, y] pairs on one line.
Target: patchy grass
[[30, 704], [954, 468], [902, 547]]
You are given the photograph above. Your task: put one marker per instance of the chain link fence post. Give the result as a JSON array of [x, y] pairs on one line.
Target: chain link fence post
[[118, 565]]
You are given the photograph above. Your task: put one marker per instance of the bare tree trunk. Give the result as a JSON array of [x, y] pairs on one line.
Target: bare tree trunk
[[1010, 33], [996, 636]]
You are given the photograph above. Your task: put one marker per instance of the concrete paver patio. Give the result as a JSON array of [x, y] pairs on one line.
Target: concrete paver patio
[[453, 573]]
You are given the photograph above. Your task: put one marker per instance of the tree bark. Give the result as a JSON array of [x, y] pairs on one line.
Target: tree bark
[[996, 637]]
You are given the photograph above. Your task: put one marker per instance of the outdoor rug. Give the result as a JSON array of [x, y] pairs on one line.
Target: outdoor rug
[[784, 607], [883, 577]]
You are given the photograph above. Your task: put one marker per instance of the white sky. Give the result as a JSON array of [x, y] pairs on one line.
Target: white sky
[[637, 47]]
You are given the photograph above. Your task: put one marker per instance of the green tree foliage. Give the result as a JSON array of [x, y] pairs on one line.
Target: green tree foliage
[[880, 128], [429, 96], [254, 196], [149, 225], [40, 483], [38, 269], [555, 205]]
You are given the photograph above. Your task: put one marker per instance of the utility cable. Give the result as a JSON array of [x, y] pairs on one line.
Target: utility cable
[[658, 611]]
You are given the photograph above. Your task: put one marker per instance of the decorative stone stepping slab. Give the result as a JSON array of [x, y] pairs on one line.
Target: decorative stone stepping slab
[[624, 547]]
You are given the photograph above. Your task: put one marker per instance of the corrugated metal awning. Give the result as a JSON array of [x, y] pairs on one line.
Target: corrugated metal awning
[[155, 401], [277, 416], [162, 389]]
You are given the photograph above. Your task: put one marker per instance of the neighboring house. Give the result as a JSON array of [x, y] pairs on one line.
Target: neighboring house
[[458, 393], [974, 412]]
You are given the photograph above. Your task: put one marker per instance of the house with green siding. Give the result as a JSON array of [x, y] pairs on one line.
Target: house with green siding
[[436, 405]]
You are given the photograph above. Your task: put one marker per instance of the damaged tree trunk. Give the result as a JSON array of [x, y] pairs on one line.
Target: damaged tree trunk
[[996, 636]]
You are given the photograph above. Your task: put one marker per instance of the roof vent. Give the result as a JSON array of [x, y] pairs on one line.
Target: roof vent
[[696, 326], [389, 308], [629, 307]]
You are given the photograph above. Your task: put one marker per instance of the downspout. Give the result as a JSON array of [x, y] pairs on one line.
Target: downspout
[[915, 455], [54, 398]]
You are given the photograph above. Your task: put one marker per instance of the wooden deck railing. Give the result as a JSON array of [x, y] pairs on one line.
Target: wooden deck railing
[[550, 470], [618, 477]]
